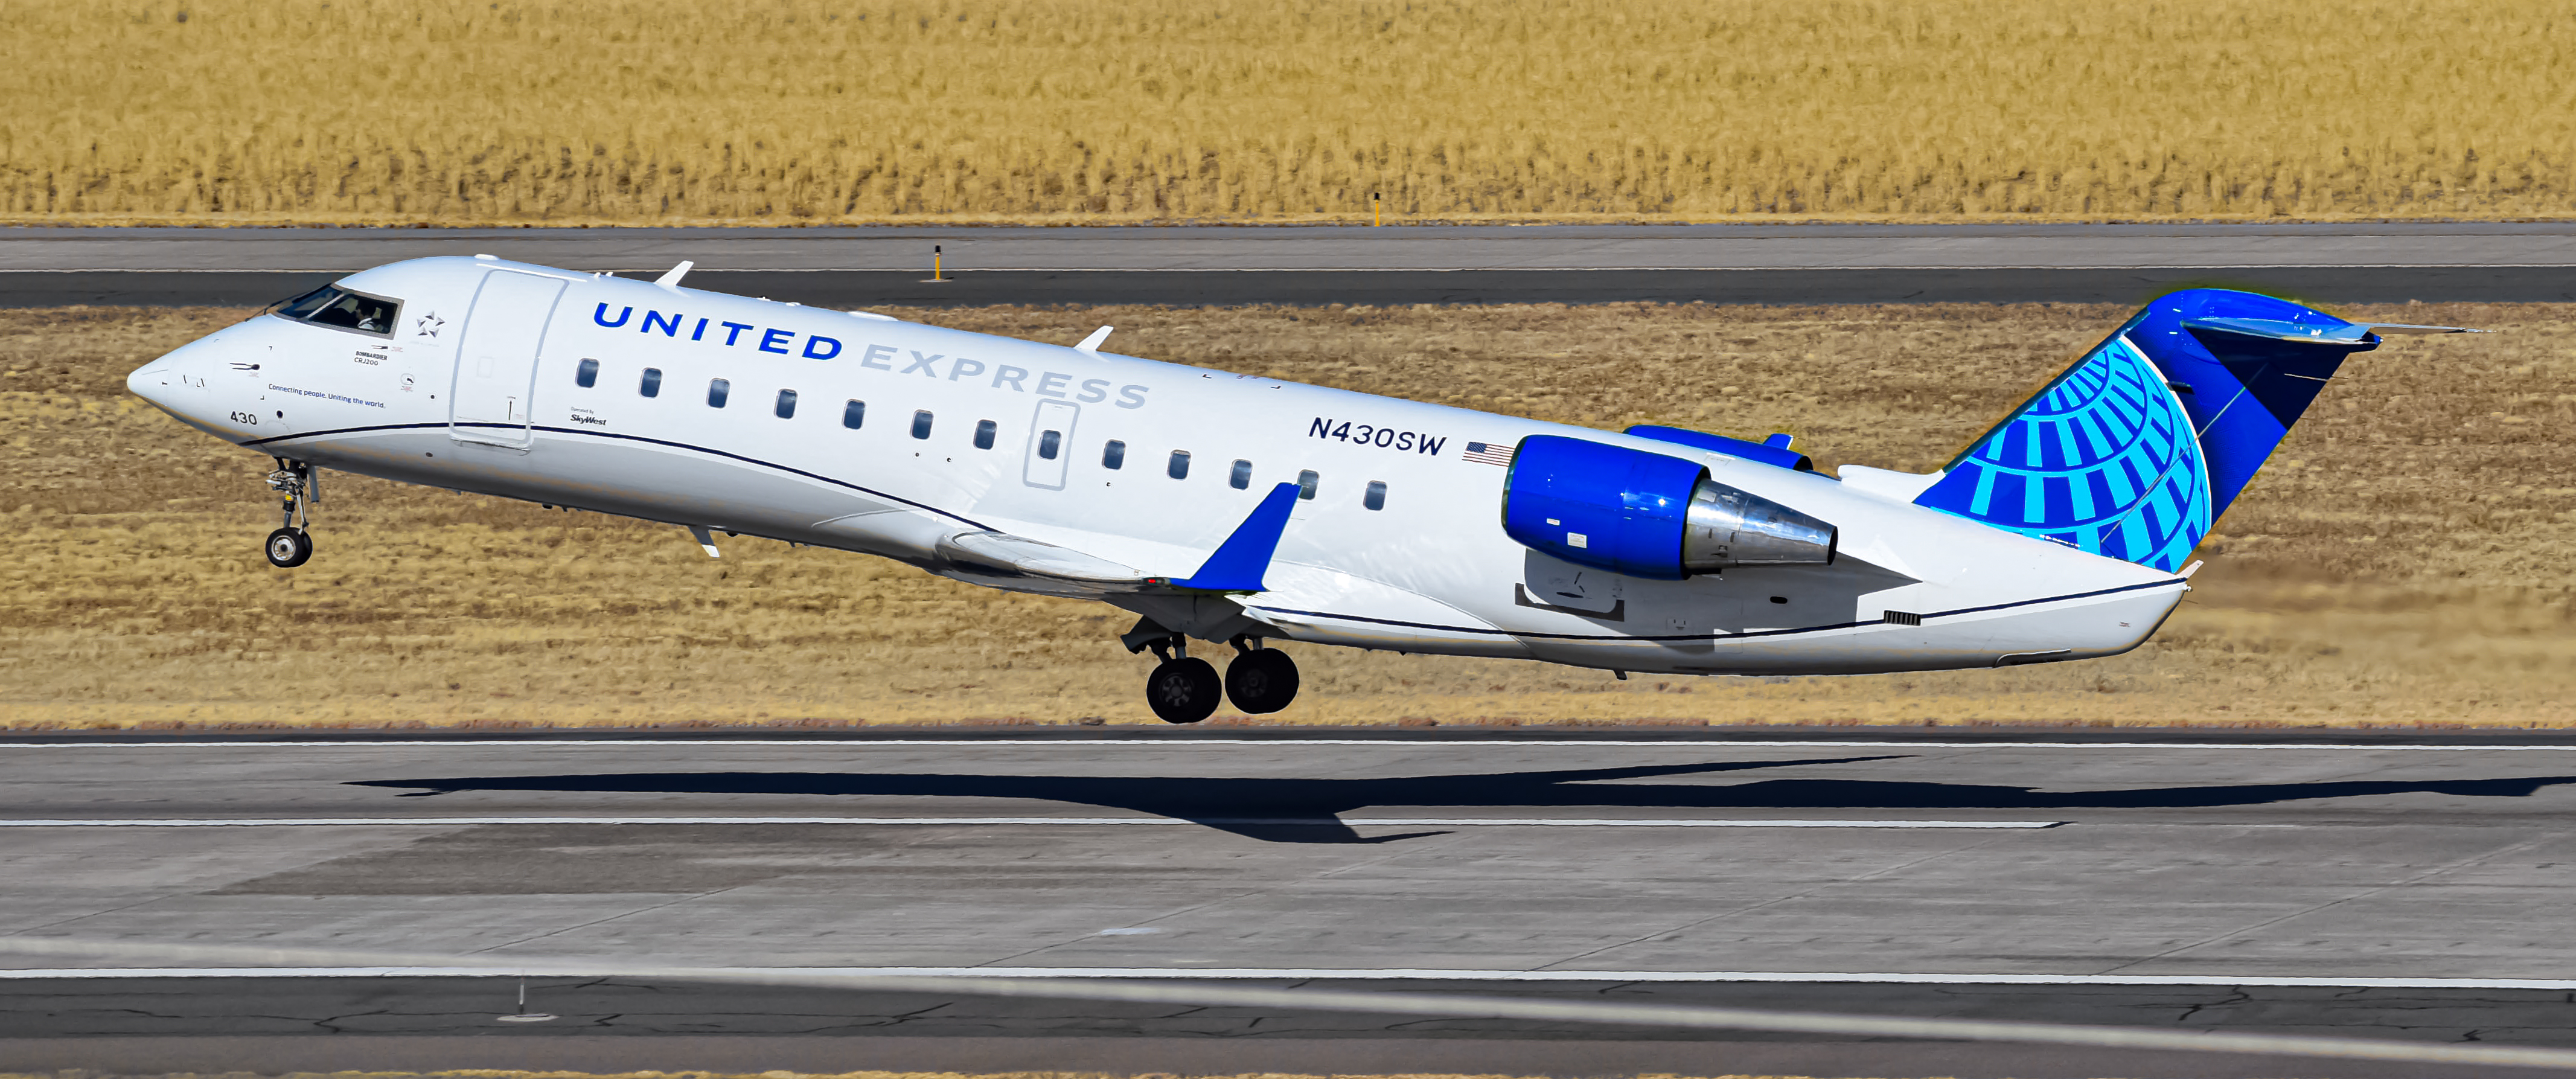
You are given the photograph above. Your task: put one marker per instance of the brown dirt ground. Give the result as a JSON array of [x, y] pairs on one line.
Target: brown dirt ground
[[2404, 560]]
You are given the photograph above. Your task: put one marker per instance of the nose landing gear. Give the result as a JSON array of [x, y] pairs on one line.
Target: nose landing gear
[[291, 546]]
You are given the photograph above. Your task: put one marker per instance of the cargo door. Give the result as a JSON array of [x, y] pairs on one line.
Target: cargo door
[[492, 398], [1050, 444]]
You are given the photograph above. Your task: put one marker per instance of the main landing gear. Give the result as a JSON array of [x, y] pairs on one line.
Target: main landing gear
[[1185, 689], [291, 546]]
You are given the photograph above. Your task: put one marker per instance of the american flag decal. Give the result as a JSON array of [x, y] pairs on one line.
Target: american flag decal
[[1483, 453]]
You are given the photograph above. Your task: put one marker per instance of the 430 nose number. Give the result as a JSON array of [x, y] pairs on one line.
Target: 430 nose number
[[246, 419]]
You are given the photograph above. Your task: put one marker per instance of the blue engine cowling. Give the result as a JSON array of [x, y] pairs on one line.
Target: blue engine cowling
[[1648, 515]]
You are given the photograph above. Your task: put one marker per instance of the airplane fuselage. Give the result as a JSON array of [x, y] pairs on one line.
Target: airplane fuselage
[[888, 438]]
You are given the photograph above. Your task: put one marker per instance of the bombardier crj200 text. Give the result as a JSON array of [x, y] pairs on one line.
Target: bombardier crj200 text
[[1231, 508]]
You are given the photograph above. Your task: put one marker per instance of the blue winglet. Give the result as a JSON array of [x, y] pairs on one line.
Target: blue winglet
[[1239, 562]]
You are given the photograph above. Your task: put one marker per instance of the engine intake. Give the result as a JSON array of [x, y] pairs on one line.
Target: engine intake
[[1648, 515]]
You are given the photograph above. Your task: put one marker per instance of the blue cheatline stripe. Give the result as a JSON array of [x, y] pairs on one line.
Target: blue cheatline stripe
[[1481, 631], [1279, 610], [816, 476]]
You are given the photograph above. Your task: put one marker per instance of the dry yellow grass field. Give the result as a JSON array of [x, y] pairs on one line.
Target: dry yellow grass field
[[456, 112], [2405, 560]]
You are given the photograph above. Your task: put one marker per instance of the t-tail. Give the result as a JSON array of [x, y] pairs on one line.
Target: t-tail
[[2136, 450]]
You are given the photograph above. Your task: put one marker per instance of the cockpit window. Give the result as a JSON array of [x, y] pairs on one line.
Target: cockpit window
[[331, 305], [303, 306]]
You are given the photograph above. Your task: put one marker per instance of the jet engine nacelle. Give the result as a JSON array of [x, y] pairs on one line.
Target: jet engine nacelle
[[1648, 515]]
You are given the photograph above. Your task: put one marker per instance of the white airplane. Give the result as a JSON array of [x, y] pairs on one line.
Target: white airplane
[[1245, 510]]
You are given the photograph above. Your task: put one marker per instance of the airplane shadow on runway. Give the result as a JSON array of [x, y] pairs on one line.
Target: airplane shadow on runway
[[1308, 810]]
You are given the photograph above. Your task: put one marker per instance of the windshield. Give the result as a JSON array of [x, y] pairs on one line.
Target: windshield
[[332, 305], [308, 303]]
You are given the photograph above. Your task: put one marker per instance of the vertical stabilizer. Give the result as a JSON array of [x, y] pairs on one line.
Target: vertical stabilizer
[[2136, 450]]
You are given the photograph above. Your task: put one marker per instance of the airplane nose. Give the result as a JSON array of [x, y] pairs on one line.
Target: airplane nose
[[176, 381], [157, 382]]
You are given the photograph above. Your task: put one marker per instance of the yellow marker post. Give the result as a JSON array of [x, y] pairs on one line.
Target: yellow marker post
[[1377, 210], [934, 263]]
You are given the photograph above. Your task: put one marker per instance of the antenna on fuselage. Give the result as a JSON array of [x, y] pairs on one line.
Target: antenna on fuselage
[[1093, 342], [671, 278]]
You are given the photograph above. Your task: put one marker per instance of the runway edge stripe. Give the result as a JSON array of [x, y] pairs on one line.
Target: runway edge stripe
[[1330, 974], [570, 739]]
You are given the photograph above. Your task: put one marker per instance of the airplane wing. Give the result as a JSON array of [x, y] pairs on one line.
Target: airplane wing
[[1021, 564]]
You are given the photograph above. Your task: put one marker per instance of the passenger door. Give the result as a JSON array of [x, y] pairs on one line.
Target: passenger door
[[492, 399], [1050, 444]]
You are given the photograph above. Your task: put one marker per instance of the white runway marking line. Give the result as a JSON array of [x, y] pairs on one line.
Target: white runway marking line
[[1310, 822], [1360, 975], [1232, 743]]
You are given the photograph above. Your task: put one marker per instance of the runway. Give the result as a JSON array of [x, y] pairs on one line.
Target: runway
[[1323, 265], [2404, 891]]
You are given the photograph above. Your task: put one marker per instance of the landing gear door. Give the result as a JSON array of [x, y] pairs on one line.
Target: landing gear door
[[492, 399], [1050, 445]]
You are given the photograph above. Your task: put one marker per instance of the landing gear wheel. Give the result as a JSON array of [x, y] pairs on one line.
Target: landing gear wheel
[[301, 486], [289, 548], [1261, 681], [1183, 690]]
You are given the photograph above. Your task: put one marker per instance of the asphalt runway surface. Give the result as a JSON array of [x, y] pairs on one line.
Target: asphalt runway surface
[[1191, 265], [2372, 889]]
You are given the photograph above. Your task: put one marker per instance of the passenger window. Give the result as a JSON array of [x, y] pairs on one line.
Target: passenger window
[[1306, 485], [1376, 497], [652, 384], [1113, 455], [1050, 443], [984, 434], [587, 375], [921, 425], [717, 390], [1242, 476], [854, 414], [786, 404], [1179, 469]]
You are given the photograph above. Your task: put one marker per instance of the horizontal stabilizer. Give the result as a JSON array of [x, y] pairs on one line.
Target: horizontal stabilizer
[[2281, 330], [2411, 328]]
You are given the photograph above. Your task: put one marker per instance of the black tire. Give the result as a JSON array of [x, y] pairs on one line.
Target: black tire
[[1183, 690], [288, 548], [1261, 681]]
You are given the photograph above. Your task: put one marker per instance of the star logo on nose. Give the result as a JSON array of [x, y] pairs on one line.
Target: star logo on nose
[[430, 323]]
